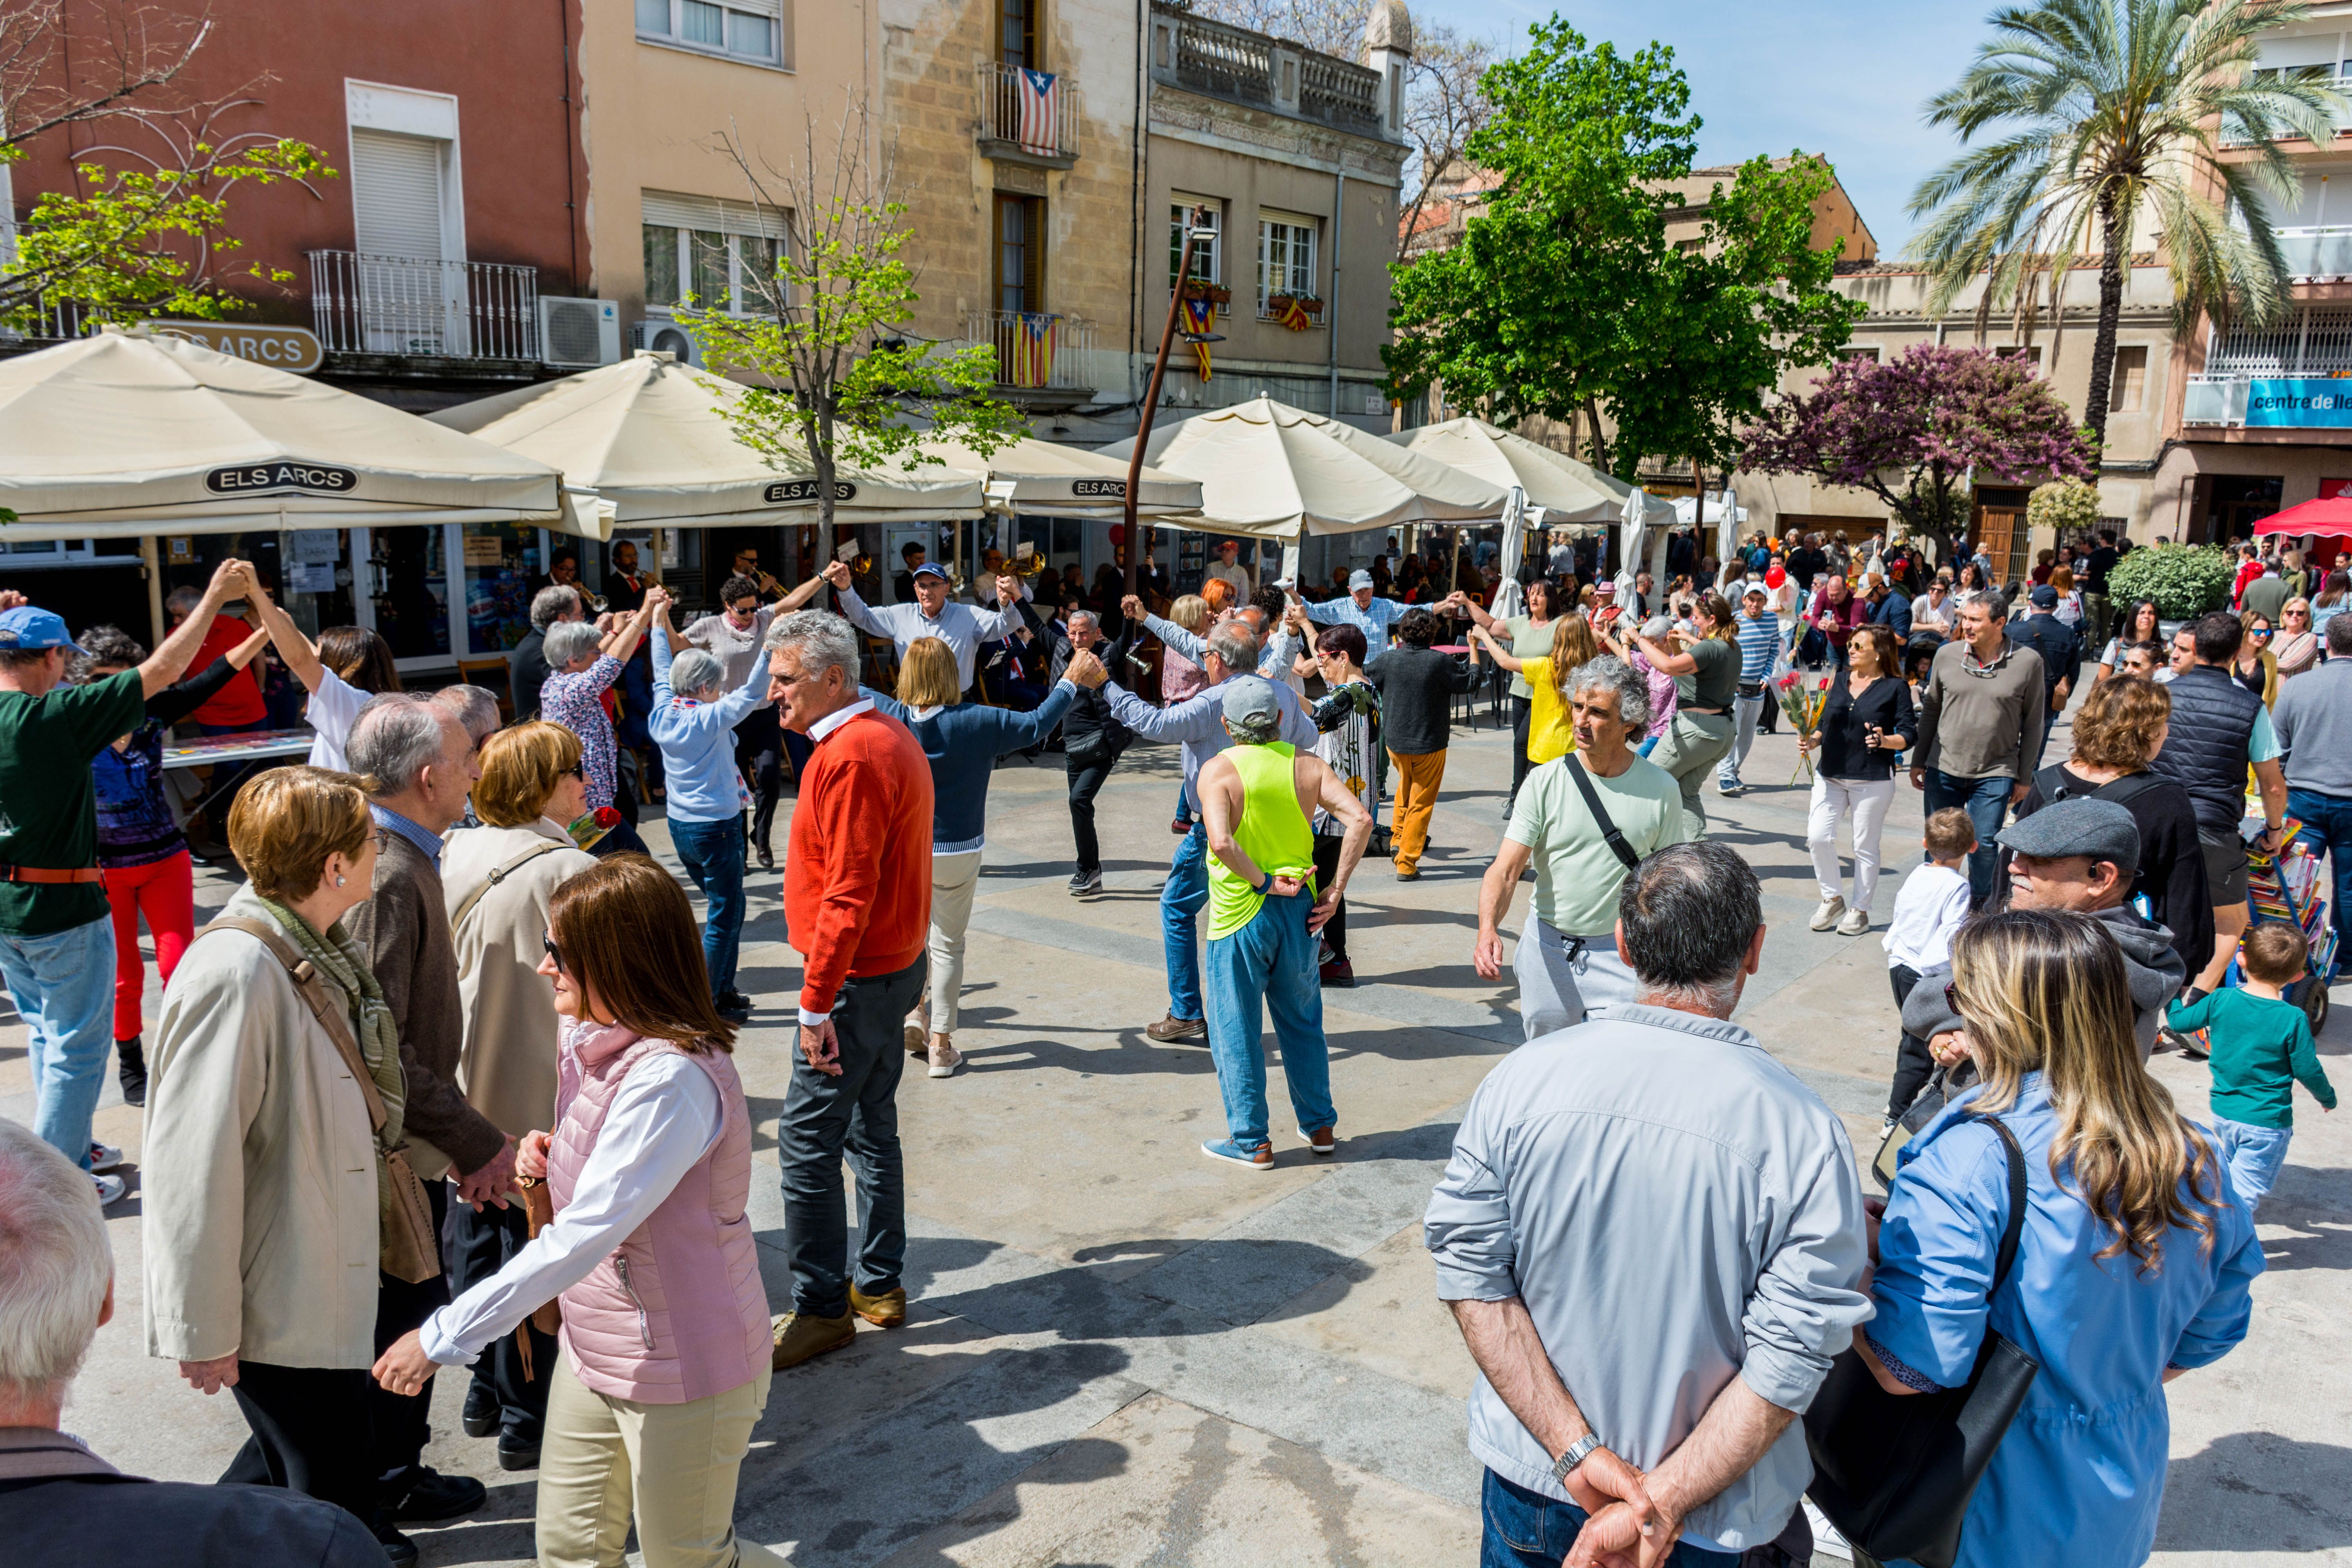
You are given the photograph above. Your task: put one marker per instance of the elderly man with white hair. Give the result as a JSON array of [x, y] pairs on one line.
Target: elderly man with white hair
[[59, 1502], [693, 722], [419, 765]]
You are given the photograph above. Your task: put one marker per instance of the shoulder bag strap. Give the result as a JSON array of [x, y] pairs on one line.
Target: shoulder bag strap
[[1608, 832], [2015, 1226], [307, 985], [2052, 782], [495, 878]]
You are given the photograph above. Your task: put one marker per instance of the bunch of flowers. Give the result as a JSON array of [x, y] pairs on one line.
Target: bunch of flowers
[[1802, 695]]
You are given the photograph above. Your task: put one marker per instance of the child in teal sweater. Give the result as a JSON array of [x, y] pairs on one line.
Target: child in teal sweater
[[2261, 1046]]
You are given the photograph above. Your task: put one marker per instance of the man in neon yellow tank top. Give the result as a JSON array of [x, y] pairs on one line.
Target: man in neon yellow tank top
[[1258, 802]]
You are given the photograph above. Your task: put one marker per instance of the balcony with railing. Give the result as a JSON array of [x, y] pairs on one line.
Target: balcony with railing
[[1028, 116], [402, 306], [2320, 254], [1218, 59], [2297, 375], [1036, 352]]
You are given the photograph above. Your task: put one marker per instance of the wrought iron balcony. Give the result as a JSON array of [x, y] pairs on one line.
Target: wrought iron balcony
[[443, 309], [1036, 350], [1026, 120]]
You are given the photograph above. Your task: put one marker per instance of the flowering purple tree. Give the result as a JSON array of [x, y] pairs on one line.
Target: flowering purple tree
[[1912, 429]]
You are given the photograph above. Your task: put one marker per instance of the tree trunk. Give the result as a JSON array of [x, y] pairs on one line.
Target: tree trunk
[[1597, 450], [2103, 340]]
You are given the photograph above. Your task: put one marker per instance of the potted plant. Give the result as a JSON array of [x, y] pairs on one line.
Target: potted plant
[[1201, 289]]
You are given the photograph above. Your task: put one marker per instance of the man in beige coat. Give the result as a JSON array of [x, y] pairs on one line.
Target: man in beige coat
[[497, 881]]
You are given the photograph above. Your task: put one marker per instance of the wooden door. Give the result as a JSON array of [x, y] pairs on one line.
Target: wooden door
[[2000, 537]]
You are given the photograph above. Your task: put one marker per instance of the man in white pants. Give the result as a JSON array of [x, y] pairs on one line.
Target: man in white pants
[[1567, 965]]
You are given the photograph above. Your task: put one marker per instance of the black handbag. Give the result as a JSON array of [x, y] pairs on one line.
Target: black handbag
[[1895, 1472]]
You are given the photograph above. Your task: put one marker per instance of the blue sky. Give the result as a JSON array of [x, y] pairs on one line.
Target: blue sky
[[1843, 78]]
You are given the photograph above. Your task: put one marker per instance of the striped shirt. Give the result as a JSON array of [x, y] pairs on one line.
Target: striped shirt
[[1760, 640]]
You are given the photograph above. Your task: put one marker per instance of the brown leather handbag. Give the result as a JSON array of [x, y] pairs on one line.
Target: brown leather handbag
[[539, 1213]]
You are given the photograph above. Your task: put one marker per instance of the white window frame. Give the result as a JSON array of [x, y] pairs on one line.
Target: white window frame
[[732, 221], [1296, 226], [738, 302], [770, 11], [1179, 207]]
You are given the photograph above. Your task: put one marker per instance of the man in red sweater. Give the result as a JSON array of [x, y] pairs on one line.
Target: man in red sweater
[[857, 907]]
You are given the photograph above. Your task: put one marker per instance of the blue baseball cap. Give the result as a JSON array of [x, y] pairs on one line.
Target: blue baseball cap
[[26, 629], [931, 569]]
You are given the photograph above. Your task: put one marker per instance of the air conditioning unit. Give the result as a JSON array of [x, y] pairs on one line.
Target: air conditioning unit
[[578, 332], [666, 337]]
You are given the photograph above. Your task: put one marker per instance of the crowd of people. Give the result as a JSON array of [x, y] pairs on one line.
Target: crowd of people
[[449, 1081]]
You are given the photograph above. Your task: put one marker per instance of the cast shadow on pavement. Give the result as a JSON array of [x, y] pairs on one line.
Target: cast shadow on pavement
[[2250, 1492]]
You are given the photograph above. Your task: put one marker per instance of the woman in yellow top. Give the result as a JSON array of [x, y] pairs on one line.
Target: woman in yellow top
[[1549, 733]]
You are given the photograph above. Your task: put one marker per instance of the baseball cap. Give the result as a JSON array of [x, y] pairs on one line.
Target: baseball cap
[[2098, 828], [29, 629], [1754, 590], [1250, 706], [931, 569], [1358, 579], [2045, 597]]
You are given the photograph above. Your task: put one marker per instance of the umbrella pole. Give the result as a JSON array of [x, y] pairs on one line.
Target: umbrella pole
[[1151, 396]]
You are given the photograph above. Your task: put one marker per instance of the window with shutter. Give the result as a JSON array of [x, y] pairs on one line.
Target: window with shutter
[[409, 302]]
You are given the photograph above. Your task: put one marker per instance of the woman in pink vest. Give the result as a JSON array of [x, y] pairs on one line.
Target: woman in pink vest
[[663, 1367]]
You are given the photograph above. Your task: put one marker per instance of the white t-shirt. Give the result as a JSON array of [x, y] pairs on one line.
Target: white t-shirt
[[332, 709], [1932, 903]]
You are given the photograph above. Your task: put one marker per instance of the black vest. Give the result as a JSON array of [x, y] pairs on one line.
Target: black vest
[[2205, 749]]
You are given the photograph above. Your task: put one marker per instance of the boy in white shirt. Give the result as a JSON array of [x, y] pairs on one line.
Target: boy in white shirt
[[1933, 901]]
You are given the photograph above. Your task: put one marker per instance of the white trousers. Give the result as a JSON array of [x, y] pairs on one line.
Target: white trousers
[[953, 877], [1867, 803]]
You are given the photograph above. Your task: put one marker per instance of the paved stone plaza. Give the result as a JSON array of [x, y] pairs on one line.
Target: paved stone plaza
[[1120, 1353]]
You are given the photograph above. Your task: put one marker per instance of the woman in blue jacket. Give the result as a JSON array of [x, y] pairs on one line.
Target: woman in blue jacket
[[962, 740], [2132, 1266]]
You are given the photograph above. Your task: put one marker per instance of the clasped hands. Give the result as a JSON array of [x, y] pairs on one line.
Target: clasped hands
[[1626, 1528]]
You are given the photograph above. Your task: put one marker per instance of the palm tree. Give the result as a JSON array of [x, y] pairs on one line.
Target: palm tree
[[2100, 112]]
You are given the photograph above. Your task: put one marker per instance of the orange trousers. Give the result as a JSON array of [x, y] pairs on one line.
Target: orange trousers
[[1417, 779]]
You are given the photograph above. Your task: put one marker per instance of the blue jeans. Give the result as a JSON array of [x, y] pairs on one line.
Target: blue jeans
[[712, 854], [1528, 1530], [2253, 1155], [1180, 901], [63, 985], [1987, 803], [1269, 965], [2328, 829], [1184, 805]]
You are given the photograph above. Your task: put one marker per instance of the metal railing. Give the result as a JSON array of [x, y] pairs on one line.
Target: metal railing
[[1035, 350], [1004, 94], [401, 305], [2308, 342]]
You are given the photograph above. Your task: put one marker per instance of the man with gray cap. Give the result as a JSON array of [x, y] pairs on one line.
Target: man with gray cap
[[1199, 723], [2078, 854], [1370, 616], [1258, 798]]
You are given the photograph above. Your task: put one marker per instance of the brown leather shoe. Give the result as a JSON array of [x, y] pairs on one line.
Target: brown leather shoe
[[1323, 1140], [1173, 1028], [798, 1337], [888, 1311]]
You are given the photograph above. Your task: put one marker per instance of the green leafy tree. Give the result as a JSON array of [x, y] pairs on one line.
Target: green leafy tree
[[2097, 119], [2184, 580], [836, 382]]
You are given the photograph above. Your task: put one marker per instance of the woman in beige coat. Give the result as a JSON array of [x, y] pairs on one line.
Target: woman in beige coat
[[263, 1169], [498, 880]]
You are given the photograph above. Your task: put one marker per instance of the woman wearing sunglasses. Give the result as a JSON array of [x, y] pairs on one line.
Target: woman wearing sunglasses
[[665, 1338], [500, 881], [2296, 647], [2256, 667]]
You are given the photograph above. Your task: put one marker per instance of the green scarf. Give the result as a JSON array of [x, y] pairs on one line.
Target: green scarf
[[338, 960]]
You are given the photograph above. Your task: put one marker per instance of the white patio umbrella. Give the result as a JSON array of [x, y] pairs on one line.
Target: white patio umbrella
[[650, 436], [1037, 476], [1271, 471], [130, 432], [1509, 599], [1637, 507], [1569, 491]]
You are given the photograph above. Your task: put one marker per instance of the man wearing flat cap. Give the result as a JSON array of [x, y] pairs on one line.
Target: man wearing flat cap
[[2078, 854]]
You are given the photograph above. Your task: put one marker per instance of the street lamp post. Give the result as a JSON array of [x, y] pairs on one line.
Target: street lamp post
[[1195, 226]]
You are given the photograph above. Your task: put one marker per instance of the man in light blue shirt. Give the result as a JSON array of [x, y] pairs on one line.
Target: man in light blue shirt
[[1199, 723], [1760, 641], [1360, 609], [961, 627], [1650, 1236], [693, 722]]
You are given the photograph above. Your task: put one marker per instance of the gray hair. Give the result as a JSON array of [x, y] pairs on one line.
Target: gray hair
[[694, 672], [1234, 644], [823, 639], [1088, 616], [475, 707], [55, 1266], [1989, 600], [1687, 914], [395, 739], [1609, 673], [566, 641], [550, 604], [183, 600]]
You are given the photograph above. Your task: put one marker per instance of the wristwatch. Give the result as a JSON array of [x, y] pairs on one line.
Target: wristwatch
[[1575, 1455]]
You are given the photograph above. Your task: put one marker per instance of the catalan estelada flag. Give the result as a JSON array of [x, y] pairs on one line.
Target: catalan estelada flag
[[1200, 316], [1033, 349]]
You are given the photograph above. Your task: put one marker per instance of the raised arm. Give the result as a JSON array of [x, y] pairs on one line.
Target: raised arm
[[624, 638], [738, 703], [1481, 637], [853, 608], [301, 656], [1194, 718], [170, 660]]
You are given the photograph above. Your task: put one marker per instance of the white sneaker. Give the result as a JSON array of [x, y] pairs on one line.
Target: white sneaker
[[1827, 915], [1857, 921], [103, 1156], [110, 1190]]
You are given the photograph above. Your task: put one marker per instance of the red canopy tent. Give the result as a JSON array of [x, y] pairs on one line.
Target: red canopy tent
[[2329, 519]]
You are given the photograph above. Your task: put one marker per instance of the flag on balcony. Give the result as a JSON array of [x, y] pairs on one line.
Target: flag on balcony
[[1033, 349], [1037, 95], [1200, 316]]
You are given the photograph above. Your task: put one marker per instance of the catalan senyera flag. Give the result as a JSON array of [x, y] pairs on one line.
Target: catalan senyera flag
[[1033, 349], [1200, 316], [1040, 104]]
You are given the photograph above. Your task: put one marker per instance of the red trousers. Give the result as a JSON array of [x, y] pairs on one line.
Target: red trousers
[[165, 892]]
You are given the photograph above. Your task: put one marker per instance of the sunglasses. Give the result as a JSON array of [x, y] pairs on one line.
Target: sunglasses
[[547, 940], [578, 769], [2262, 632]]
